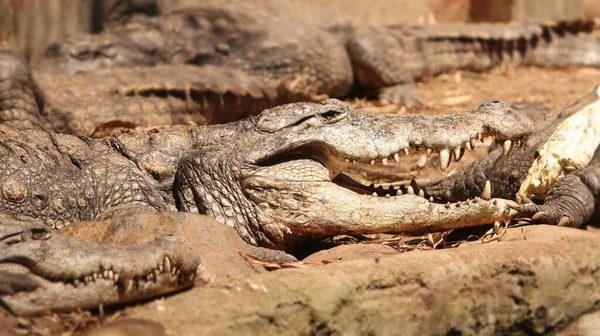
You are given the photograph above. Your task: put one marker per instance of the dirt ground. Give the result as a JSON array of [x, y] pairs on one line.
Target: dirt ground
[[533, 280]]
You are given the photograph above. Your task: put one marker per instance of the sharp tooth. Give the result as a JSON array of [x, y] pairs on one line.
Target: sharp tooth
[[422, 161], [473, 143], [173, 271], [384, 161], [353, 161], [487, 191], [447, 205], [372, 162], [506, 146], [116, 277], [421, 193], [374, 194], [406, 151], [105, 274], [444, 159], [348, 160], [479, 137], [76, 282], [468, 145], [458, 154], [429, 151], [396, 157], [410, 190], [431, 199], [387, 196], [399, 192], [166, 264]]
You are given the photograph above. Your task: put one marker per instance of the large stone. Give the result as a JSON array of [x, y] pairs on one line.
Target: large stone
[[535, 280]]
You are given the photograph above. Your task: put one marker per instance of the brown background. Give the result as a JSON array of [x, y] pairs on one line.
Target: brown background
[[29, 25]]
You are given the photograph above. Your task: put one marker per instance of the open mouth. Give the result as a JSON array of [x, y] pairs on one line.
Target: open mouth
[[394, 175]]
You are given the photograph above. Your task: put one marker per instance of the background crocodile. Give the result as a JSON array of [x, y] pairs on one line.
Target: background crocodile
[[571, 193], [276, 178], [293, 50]]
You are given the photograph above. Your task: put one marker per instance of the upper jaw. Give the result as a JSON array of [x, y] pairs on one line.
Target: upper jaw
[[370, 138]]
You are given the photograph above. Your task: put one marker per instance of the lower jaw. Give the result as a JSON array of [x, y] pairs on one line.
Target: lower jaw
[[335, 210]]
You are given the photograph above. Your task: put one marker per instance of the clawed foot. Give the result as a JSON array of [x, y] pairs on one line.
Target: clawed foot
[[548, 214], [406, 94]]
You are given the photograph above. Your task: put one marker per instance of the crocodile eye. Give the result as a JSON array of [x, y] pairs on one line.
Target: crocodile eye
[[40, 234], [332, 116]]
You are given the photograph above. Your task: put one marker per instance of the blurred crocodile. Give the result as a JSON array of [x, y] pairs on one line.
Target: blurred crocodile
[[223, 61], [277, 178], [315, 49], [84, 103], [558, 168]]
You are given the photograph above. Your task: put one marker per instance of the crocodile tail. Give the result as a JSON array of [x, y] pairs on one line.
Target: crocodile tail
[[566, 43], [477, 47], [20, 100]]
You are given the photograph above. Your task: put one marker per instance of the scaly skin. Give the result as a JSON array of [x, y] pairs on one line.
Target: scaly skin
[[315, 48], [227, 60], [20, 102], [230, 171], [83, 103], [41, 271], [434, 49], [570, 200], [268, 176]]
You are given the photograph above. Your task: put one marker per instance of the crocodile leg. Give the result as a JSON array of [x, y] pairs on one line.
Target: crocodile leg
[[572, 200], [19, 103]]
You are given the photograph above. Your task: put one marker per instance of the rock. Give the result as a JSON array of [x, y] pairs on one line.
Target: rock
[[535, 280]]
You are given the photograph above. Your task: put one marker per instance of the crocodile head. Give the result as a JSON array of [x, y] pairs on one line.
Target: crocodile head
[[42, 271], [279, 177], [85, 52]]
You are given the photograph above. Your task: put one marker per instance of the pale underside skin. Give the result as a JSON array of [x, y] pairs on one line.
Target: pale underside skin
[[570, 147], [313, 204]]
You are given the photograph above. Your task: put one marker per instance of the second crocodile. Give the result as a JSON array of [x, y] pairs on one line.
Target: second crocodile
[[220, 61]]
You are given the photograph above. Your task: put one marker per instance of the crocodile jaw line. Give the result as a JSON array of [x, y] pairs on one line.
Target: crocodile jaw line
[[313, 204]]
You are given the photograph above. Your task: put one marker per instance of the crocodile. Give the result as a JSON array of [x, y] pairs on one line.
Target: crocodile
[[554, 182], [44, 271], [277, 178], [222, 62], [83, 103], [315, 48]]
